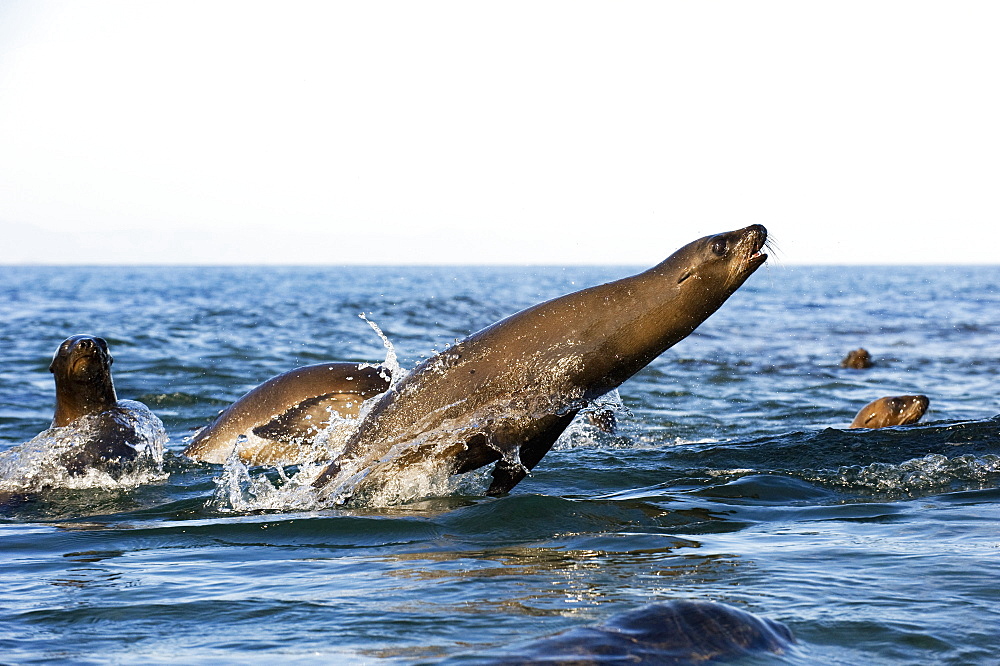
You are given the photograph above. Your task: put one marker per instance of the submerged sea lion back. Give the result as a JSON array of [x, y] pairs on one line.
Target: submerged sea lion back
[[676, 632]]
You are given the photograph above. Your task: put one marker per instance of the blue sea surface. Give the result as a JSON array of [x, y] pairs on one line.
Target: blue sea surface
[[732, 476]]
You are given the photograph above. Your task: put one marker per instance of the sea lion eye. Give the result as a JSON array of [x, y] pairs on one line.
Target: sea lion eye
[[719, 246]]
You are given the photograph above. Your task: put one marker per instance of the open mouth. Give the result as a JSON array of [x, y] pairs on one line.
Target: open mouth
[[758, 240]]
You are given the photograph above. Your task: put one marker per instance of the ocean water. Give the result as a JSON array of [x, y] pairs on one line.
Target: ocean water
[[731, 477]]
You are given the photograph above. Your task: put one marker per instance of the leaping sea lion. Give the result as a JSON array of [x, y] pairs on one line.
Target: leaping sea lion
[[272, 421], [505, 394], [891, 411]]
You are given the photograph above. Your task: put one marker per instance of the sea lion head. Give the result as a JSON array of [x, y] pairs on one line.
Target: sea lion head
[[82, 371], [704, 273], [891, 411], [659, 307], [720, 262], [82, 358], [857, 359]]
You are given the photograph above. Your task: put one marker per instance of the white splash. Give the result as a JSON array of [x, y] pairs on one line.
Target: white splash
[[597, 424], [392, 371], [41, 463], [918, 474], [410, 471], [240, 490]]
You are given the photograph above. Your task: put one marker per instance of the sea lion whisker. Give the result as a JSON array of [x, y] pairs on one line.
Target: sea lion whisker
[[771, 246]]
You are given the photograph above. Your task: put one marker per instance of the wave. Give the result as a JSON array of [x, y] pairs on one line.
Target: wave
[[933, 472]]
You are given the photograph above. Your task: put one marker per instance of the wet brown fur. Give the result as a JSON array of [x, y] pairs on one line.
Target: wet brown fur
[[507, 392]]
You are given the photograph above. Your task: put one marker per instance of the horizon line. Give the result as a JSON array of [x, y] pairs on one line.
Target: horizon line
[[797, 264]]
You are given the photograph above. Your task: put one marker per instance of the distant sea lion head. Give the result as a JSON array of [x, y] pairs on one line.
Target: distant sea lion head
[[82, 371], [892, 411], [857, 359]]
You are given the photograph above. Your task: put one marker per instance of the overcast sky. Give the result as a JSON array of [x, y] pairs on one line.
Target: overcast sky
[[505, 132]]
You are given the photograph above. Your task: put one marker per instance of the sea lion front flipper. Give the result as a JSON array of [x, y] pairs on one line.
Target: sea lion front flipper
[[308, 417], [507, 473]]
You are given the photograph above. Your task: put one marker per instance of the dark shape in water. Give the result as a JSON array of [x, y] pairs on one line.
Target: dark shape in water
[[603, 419], [677, 632], [505, 394], [858, 359], [286, 410]]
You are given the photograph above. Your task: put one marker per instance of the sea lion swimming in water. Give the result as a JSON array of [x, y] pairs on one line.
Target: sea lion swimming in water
[[91, 427], [117, 431], [676, 632], [286, 410], [92, 431], [505, 394], [891, 411]]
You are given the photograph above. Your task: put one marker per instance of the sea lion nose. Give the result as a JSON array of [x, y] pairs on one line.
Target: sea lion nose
[[86, 343]]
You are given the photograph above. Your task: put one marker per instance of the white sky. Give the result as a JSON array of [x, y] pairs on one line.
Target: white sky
[[510, 132]]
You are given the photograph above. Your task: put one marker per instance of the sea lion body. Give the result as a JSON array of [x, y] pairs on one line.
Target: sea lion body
[[891, 411], [275, 417], [506, 393], [677, 632]]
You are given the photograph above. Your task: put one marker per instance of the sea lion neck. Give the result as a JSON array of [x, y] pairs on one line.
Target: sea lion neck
[[75, 399], [661, 306]]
